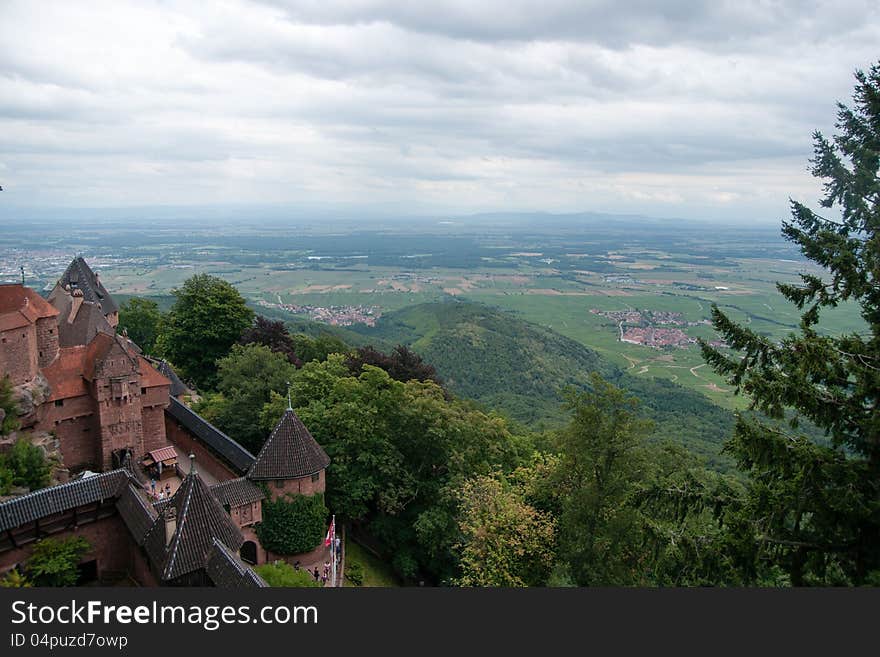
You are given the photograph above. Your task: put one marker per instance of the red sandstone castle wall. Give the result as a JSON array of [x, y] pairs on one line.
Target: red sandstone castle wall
[[79, 440], [205, 460], [301, 486], [110, 543], [247, 514], [18, 354], [154, 428], [47, 341]]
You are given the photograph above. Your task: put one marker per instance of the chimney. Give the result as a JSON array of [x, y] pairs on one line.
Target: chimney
[[170, 524], [192, 464], [76, 299]]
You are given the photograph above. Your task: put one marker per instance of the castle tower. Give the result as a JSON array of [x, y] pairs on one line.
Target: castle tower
[[291, 460], [79, 276], [183, 538]]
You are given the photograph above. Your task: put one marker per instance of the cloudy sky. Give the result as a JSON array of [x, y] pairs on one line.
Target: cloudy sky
[[676, 108]]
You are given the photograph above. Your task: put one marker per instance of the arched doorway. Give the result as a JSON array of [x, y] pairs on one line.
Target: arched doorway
[[249, 552]]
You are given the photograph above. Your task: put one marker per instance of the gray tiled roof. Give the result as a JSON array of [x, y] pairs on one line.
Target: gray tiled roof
[[200, 520], [56, 499], [88, 322], [236, 492], [79, 275], [235, 454], [137, 513], [177, 386], [228, 571], [289, 452]]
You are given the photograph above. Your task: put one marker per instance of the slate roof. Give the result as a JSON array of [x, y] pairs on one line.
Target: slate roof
[[218, 441], [177, 386], [56, 499], [289, 452], [79, 275], [228, 571], [137, 513], [200, 520], [237, 492], [88, 321]]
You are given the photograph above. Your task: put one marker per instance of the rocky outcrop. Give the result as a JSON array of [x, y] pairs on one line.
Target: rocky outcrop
[[28, 396]]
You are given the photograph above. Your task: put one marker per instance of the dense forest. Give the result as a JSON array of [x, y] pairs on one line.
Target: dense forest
[[520, 369]]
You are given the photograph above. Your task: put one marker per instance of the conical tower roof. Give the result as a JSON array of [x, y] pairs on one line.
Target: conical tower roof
[[199, 521], [289, 452]]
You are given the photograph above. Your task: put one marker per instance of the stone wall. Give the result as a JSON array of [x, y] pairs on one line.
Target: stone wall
[[300, 486], [110, 542], [189, 444], [47, 341], [18, 354]]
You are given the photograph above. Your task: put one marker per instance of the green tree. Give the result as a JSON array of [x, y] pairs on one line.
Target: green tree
[[282, 574], [9, 419], [207, 318], [15, 580], [246, 379], [292, 523], [26, 466], [602, 462], [142, 320], [53, 562], [814, 511], [398, 453], [308, 349], [505, 542]]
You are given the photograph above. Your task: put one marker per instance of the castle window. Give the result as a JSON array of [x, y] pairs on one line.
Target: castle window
[[4, 340], [143, 391], [316, 477], [279, 483], [59, 402], [51, 331]]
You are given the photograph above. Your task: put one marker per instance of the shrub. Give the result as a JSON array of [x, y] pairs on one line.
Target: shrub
[[354, 573], [292, 524], [14, 580], [53, 562], [7, 403], [282, 574], [27, 464]]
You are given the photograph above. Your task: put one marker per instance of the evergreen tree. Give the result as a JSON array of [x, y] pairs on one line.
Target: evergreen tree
[[813, 511]]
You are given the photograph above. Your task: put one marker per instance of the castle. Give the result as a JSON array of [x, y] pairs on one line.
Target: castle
[[120, 422]]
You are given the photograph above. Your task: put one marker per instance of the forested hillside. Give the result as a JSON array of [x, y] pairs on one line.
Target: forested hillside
[[520, 369]]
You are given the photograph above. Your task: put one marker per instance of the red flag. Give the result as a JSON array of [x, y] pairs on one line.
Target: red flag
[[330, 532]]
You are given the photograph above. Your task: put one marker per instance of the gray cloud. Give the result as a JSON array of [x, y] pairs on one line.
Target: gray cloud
[[689, 108]]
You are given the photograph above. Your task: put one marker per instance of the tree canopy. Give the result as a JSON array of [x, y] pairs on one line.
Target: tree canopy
[[142, 320], [272, 334], [246, 378], [813, 511], [207, 318]]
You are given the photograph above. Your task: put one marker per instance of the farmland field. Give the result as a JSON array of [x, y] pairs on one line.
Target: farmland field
[[572, 274]]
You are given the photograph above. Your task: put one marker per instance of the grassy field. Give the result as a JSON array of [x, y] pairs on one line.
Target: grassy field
[[376, 572]]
